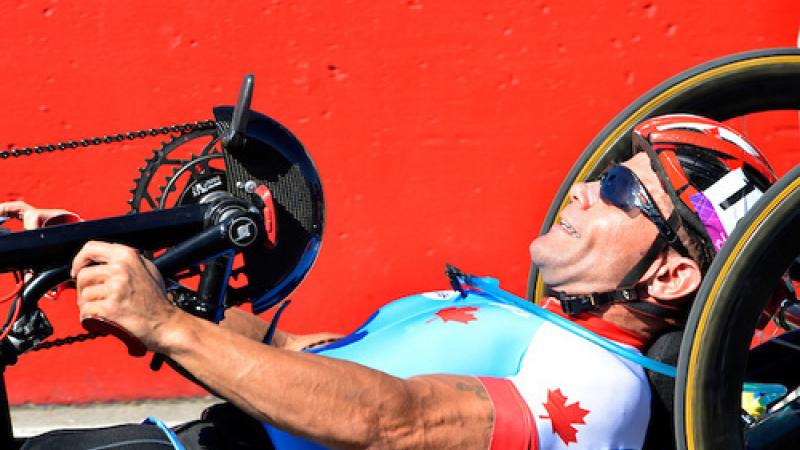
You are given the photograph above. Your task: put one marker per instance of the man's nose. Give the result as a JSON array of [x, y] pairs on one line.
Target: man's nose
[[583, 194]]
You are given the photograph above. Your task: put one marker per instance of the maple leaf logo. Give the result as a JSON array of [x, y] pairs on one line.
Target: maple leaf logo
[[455, 314], [564, 416]]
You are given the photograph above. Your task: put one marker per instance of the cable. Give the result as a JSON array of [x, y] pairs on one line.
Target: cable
[[12, 317], [16, 290]]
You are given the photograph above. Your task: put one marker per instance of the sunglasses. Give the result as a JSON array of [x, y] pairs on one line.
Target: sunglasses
[[620, 187]]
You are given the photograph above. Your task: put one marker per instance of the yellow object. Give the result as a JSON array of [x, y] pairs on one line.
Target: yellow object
[[752, 405]]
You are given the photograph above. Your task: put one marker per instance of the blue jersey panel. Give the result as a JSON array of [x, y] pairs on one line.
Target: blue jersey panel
[[437, 332]]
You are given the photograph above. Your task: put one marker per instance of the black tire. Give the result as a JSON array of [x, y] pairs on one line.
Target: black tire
[[714, 352], [724, 88]]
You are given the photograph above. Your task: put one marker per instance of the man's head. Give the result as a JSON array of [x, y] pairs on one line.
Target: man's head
[[652, 225], [595, 244]]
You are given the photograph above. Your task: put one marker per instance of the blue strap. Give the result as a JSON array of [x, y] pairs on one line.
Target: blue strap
[[173, 438], [491, 286]]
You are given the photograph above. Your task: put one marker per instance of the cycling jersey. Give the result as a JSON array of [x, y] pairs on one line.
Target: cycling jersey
[[570, 393], [551, 389]]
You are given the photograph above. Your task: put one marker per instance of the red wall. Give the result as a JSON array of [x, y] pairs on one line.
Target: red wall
[[441, 129]]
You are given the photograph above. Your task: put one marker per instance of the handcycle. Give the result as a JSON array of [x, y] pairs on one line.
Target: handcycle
[[254, 189]]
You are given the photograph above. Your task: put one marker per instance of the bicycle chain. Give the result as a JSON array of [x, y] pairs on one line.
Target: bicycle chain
[[108, 139], [69, 340], [180, 129]]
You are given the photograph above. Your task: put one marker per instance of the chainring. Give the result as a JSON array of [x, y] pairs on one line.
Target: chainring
[[177, 167]]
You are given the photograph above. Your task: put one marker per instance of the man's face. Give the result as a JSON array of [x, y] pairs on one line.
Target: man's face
[[595, 244]]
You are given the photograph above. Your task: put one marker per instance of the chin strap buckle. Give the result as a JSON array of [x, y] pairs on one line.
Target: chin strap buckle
[[572, 305]]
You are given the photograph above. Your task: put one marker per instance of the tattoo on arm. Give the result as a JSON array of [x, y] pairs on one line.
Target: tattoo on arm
[[475, 387]]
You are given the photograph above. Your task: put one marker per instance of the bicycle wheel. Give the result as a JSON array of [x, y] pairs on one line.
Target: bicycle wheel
[[721, 89], [714, 353]]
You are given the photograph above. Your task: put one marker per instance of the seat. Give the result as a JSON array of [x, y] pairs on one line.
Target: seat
[[661, 431]]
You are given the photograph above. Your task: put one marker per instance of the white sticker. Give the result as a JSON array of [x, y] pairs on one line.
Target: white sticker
[[440, 295], [732, 196]]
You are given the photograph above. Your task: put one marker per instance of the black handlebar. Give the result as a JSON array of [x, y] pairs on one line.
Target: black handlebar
[[55, 246]]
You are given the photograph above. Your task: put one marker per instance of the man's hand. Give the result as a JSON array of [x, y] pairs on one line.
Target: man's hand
[[32, 217], [116, 283]]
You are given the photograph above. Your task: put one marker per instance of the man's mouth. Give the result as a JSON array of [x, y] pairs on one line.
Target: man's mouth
[[568, 228]]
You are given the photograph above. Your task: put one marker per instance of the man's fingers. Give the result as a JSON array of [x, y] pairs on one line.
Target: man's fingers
[[32, 219], [93, 309], [91, 253], [15, 209], [95, 252], [91, 294], [90, 276]]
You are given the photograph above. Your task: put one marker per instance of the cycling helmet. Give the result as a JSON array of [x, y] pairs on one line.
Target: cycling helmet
[[712, 173], [713, 176]]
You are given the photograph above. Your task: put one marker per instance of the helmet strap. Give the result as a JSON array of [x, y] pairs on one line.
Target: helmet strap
[[629, 288], [635, 274], [572, 305]]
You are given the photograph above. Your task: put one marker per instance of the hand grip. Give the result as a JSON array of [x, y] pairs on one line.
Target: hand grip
[[102, 326]]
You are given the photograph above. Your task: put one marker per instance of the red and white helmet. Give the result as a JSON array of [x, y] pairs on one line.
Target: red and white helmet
[[712, 172]]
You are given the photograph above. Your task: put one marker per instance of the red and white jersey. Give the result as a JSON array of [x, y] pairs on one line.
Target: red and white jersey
[[571, 394]]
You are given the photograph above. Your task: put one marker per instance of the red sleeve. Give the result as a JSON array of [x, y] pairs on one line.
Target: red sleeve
[[513, 428]]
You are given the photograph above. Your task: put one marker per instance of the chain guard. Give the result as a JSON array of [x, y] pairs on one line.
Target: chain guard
[[274, 161]]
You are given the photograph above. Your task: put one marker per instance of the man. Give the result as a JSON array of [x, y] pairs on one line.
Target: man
[[624, 259]]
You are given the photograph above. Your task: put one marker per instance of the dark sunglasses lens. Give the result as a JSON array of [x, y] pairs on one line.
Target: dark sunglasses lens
[[618, 188]]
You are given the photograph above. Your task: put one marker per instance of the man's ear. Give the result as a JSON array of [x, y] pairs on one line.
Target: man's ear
[[675, 279]]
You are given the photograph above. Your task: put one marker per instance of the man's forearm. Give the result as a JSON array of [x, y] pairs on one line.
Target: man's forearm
[[337, 403]]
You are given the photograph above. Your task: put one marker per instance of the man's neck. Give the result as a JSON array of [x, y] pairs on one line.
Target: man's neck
[[599, 325], [647, 327]]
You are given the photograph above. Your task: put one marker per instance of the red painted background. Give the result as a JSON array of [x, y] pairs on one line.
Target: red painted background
[[441, 129]]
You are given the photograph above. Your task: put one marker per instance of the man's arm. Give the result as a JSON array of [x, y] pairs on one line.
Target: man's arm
[[337, 403]]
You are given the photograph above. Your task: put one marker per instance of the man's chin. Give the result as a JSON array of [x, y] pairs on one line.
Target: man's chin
[[545, 252], [537, 251]]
